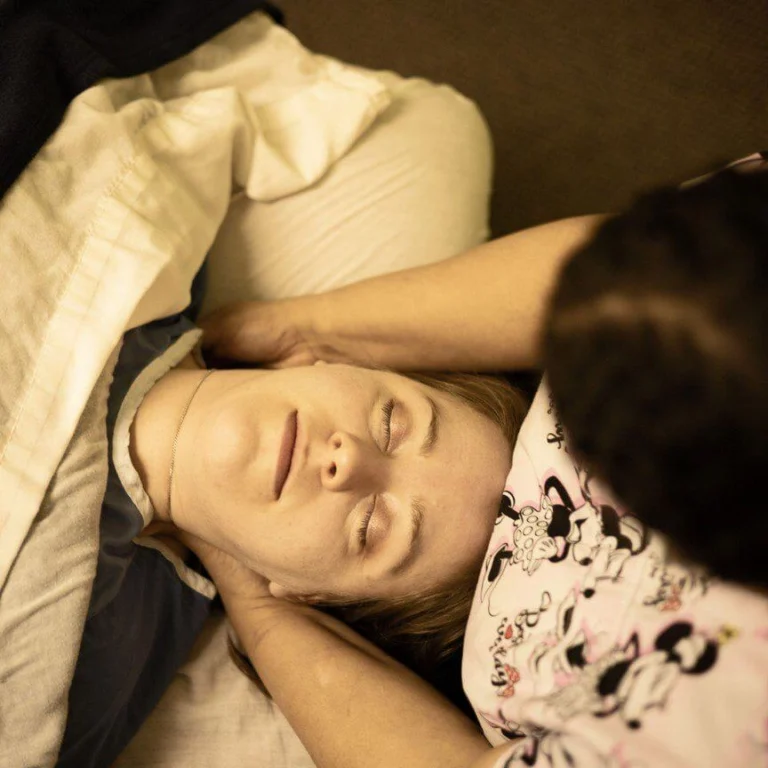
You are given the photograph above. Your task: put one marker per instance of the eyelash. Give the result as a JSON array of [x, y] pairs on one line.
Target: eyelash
[[362, 531], [386, 412]]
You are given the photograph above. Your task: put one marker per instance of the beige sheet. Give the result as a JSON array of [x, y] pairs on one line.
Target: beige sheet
[[212, 716]]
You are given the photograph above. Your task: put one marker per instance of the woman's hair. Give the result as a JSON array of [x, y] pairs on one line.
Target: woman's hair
[[655, 349], [423, 629]]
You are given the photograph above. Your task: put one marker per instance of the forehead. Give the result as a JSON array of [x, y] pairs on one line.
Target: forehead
[[461, 489], [456, 529]]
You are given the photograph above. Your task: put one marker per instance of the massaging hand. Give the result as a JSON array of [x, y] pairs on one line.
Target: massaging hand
[[234, 580], [480, 310], [252, 610], [276, 334]]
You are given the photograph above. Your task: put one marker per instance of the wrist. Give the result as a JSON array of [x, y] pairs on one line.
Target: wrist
[[249, 625], [254, 618], [317, 322]]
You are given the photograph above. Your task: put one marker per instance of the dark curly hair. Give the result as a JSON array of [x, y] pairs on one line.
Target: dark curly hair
[[656, 353]]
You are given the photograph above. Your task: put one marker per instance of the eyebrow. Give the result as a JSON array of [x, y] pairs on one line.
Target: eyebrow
[[414, 545], [433, 430]]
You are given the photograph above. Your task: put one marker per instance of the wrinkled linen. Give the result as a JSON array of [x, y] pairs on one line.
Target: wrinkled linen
[[104, 232]]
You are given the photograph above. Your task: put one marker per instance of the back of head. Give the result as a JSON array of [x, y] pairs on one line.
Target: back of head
[[656, 353]]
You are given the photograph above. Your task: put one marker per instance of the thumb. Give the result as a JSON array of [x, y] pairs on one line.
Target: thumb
[[235, 332]]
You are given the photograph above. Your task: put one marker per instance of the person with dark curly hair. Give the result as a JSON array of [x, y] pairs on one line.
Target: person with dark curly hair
[[656, 352]]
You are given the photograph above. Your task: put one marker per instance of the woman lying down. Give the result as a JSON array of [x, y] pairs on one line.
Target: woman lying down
[[326, 480], [361, 488], [593, 640]]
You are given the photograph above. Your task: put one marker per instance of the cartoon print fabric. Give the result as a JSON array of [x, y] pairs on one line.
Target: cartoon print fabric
[[589, 645]]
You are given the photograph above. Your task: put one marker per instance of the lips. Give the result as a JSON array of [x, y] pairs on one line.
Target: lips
[[285, 456]]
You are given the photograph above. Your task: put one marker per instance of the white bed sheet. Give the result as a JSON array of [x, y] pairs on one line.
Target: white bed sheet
[[213, 716]]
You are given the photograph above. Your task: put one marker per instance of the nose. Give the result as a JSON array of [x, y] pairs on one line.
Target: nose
[[348, 463]]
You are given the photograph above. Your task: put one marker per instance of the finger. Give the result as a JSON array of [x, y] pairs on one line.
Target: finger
[[221, 324], [216, 333], [198, 546]]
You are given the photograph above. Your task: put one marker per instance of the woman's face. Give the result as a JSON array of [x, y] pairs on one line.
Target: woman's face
[[334, 480]]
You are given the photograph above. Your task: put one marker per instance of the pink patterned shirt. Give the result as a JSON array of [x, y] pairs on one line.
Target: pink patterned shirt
[[589, 645]]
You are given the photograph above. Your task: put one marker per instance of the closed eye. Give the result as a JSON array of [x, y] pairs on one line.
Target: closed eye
[[386, 417]]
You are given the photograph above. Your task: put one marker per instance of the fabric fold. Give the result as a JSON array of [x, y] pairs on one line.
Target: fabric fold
[[104, 231]]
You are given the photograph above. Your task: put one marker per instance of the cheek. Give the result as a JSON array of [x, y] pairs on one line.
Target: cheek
[[301, 542]]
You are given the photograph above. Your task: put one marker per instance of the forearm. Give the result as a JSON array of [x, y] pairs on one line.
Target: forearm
[[481, 310], [350, 704]]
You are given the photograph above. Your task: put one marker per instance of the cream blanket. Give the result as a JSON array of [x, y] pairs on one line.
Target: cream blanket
[[103, 232]]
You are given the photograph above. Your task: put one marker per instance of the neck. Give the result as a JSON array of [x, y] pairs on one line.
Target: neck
[[155, 428]]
